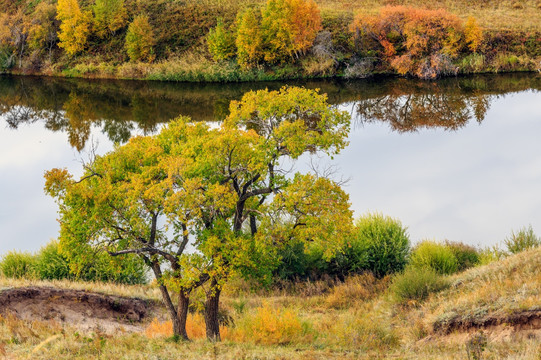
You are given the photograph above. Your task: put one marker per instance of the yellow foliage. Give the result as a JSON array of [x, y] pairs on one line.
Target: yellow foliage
[[269, 326], [473, 34], [195, 327], [74, 26]]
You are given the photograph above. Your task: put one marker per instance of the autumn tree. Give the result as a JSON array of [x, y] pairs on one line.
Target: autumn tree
[[41, 27], [140, 40], [224, 190], [74, 26], [221, 42], [13, 37], [473, 34], [248, 40], [109, 16]]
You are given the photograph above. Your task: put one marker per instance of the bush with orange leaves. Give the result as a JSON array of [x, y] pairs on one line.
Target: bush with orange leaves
[[415, 41]]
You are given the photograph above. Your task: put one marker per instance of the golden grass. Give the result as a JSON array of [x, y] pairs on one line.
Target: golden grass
[[492, 15], [312, 324]]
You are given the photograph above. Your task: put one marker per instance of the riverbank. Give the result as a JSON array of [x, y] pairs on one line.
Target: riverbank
[[511, 42]]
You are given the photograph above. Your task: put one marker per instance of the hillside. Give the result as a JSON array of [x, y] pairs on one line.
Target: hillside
[[492, 310], [31, 41]]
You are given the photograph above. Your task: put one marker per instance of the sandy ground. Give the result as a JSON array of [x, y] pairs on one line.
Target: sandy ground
[[79, 309]]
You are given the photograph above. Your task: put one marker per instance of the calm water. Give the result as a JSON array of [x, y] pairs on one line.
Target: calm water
[[457, 159]]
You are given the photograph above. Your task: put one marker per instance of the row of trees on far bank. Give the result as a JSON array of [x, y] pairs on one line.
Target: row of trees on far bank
[[418, 42]]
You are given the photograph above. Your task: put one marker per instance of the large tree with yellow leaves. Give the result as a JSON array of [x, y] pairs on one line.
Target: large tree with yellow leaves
[[221, 190]]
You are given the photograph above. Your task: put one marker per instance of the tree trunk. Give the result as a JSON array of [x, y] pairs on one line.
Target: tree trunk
[[182, 314], [179, 325], [211, 312]]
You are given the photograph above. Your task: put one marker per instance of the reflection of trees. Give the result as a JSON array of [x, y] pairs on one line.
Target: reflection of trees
[[410, 112], [120, 108]]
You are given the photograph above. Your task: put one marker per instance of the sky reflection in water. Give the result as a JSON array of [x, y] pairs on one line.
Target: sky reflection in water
[[474, 183]]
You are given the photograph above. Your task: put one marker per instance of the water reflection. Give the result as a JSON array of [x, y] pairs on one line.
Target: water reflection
[[119, 108]]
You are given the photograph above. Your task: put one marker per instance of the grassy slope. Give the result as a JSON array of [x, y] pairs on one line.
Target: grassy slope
[[355, 320]]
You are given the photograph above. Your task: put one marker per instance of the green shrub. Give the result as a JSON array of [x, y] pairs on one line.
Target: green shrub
[[221, 42], [124, 269], [466, 256], [416, 284], [18, 265], [522, 240], [435, 256], [51, 264], [380, 244], [491, 254], [140, 40]]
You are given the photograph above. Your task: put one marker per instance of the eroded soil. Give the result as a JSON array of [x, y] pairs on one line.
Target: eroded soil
[[80, 309]]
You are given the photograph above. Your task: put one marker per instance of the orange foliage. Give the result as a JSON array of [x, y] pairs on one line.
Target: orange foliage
[[195, 327], [416, 41]]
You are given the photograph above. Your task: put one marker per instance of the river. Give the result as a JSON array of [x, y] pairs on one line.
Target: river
[[456, 159]]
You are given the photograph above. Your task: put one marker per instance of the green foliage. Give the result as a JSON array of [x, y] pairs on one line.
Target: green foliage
[[51, 264], [109, 16], [140, 40], [432, 255], [380, 244], [466, 256], [18, 265], [221, 42], [416, 284], [521, 240]]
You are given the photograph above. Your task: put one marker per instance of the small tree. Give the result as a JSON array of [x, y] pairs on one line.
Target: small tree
[[289, 28], [74, 26], [248, 40], [221, 42], [41, 27], [109, 16], [140, 40], [473, 34], [222, 189]]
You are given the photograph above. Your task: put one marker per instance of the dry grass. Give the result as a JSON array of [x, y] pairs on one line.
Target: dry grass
[[314, 324], [492, 15]]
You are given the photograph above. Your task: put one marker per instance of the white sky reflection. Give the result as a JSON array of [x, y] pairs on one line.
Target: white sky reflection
[[473, 185]]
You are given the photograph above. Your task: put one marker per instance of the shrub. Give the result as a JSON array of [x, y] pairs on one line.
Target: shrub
[[435, 256], [414, 41], [380, 244], [221, 42], [466, 256], [124, 269], [140, 40], [51, 264], [269, 326], [416, 284], [355, 288], [522, 240], [18, 265]]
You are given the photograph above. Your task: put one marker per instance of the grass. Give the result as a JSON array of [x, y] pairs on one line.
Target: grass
[[312, 322]]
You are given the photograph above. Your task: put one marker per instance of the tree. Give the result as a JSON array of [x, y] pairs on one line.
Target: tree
[[221, 42], [140, 40], [109, 16], [74, 26], [221, 189], [41, 27], [289, 28], [248, 40]]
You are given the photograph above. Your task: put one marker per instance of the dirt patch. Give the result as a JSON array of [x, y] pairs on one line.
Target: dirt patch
[[83, 310], [518, 321]]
